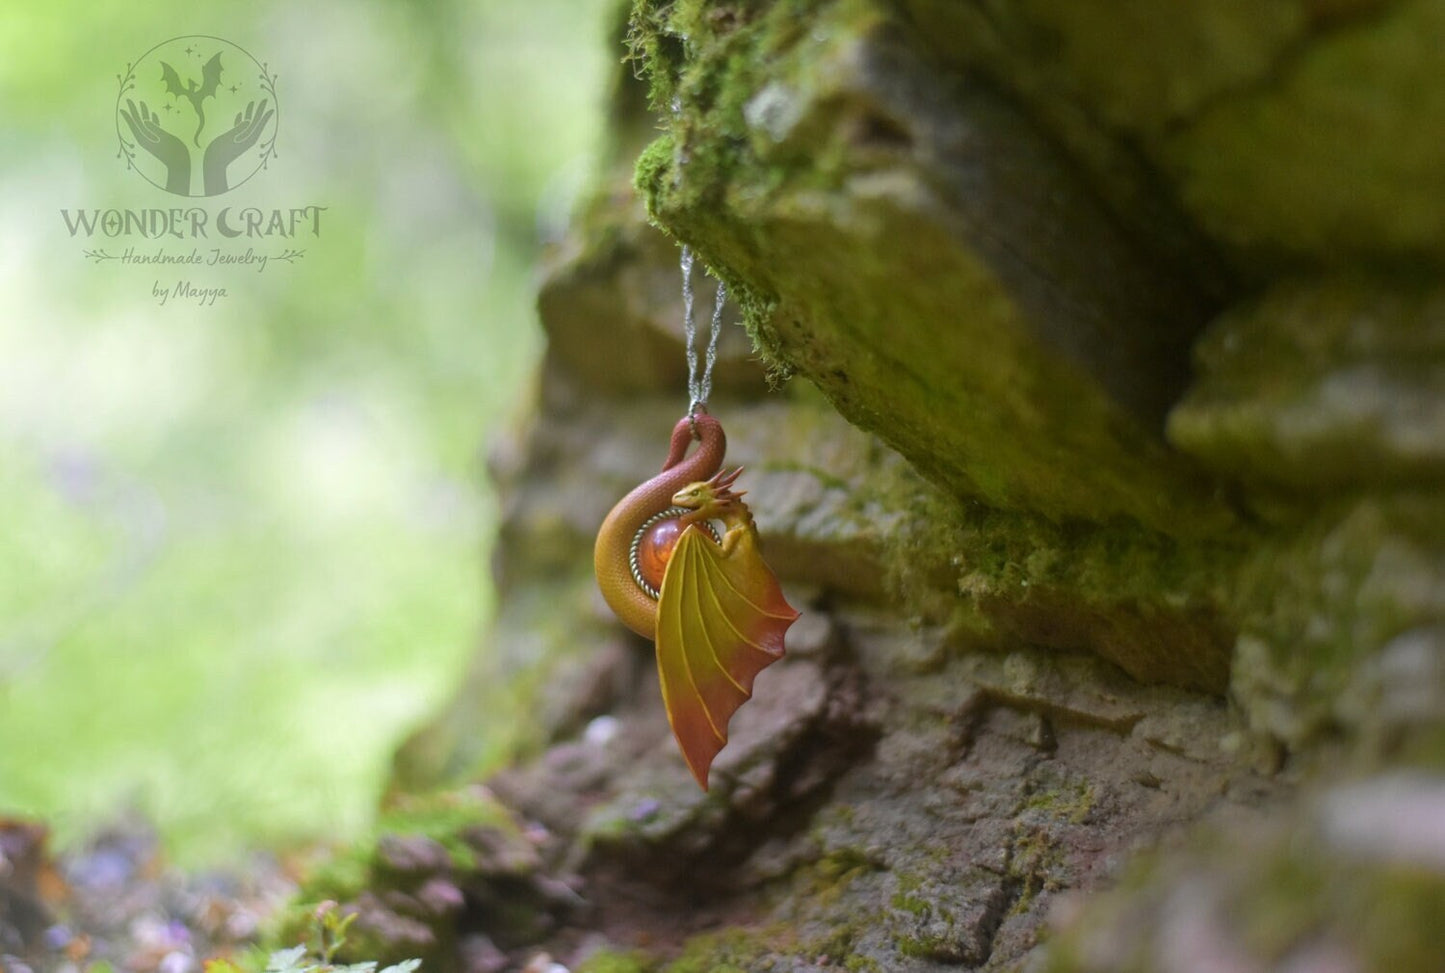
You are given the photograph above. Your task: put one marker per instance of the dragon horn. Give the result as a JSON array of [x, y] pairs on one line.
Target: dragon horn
[[723, 479]]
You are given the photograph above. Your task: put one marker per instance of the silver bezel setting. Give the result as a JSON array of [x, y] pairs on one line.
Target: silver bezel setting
[[632, 551]]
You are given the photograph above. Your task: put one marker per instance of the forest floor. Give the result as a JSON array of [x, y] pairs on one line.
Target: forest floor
[[114, 904]]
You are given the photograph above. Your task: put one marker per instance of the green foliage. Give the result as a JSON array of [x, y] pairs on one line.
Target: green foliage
[[328, 934], [446, 818], [296, 960], [325, 936], [331, 927], [605, 961], [246, 540], [728, 951]]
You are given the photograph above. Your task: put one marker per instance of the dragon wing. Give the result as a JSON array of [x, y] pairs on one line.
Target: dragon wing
[[171, 80], [720, 621], [210, 76]]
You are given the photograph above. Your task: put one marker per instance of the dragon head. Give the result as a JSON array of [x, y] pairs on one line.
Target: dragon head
[[710, 499]]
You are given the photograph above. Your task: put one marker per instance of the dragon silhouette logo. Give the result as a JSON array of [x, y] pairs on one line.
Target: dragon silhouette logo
[[162, 108]]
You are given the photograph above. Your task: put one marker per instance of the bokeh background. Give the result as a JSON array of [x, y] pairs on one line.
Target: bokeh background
[[243, 546]]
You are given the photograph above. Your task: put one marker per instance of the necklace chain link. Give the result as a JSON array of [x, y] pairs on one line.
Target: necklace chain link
[[699, 387]]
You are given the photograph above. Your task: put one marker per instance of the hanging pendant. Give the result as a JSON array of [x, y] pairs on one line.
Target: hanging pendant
[[705, 596]]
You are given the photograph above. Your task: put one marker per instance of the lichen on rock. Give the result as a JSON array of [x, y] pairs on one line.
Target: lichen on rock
[[1090, 396]]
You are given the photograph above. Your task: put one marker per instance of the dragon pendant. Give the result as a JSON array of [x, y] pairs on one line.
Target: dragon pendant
[[705, 597]]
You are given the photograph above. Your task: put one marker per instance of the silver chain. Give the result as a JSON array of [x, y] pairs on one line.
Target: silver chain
[[698, 389]]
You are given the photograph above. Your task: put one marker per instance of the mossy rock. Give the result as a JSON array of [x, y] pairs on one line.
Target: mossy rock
[[1349, 881], [1016, 334], [1321, 387], [404, 883]]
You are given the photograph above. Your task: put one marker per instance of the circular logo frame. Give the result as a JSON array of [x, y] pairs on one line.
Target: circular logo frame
[[161, 121]]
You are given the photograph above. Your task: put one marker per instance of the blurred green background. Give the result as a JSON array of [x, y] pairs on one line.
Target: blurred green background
[[243, 547]]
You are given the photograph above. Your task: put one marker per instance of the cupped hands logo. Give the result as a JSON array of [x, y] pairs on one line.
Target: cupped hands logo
[[196, 115]]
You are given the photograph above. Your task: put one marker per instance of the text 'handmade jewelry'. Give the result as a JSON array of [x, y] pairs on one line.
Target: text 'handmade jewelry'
[[705, 597]]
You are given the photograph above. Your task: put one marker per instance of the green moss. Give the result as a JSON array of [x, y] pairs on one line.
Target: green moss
[[744, 950], [606, 961], [1281, 172], [702, 964], [1036, 864], [729, 951], [1279, 892], [1150, 605], [443, 817], [1070, 802], [703, 85], [1252, 108], [1423, 747], [654, 165], [919, 945], [609, 824], [911, 904], [344, 876], [918, 936], [1058, 521], [1304, 644], [1389, 915], [1284, 906], [655, 53], [829, 948], [843, 864], [1318, 388], [856, 314], [1400, 921], [1198, 51]]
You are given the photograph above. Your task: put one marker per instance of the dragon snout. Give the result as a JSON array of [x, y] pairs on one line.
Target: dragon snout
[[688, 497]]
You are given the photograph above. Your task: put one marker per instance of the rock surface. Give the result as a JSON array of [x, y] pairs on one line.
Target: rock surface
[[1108, 480]]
